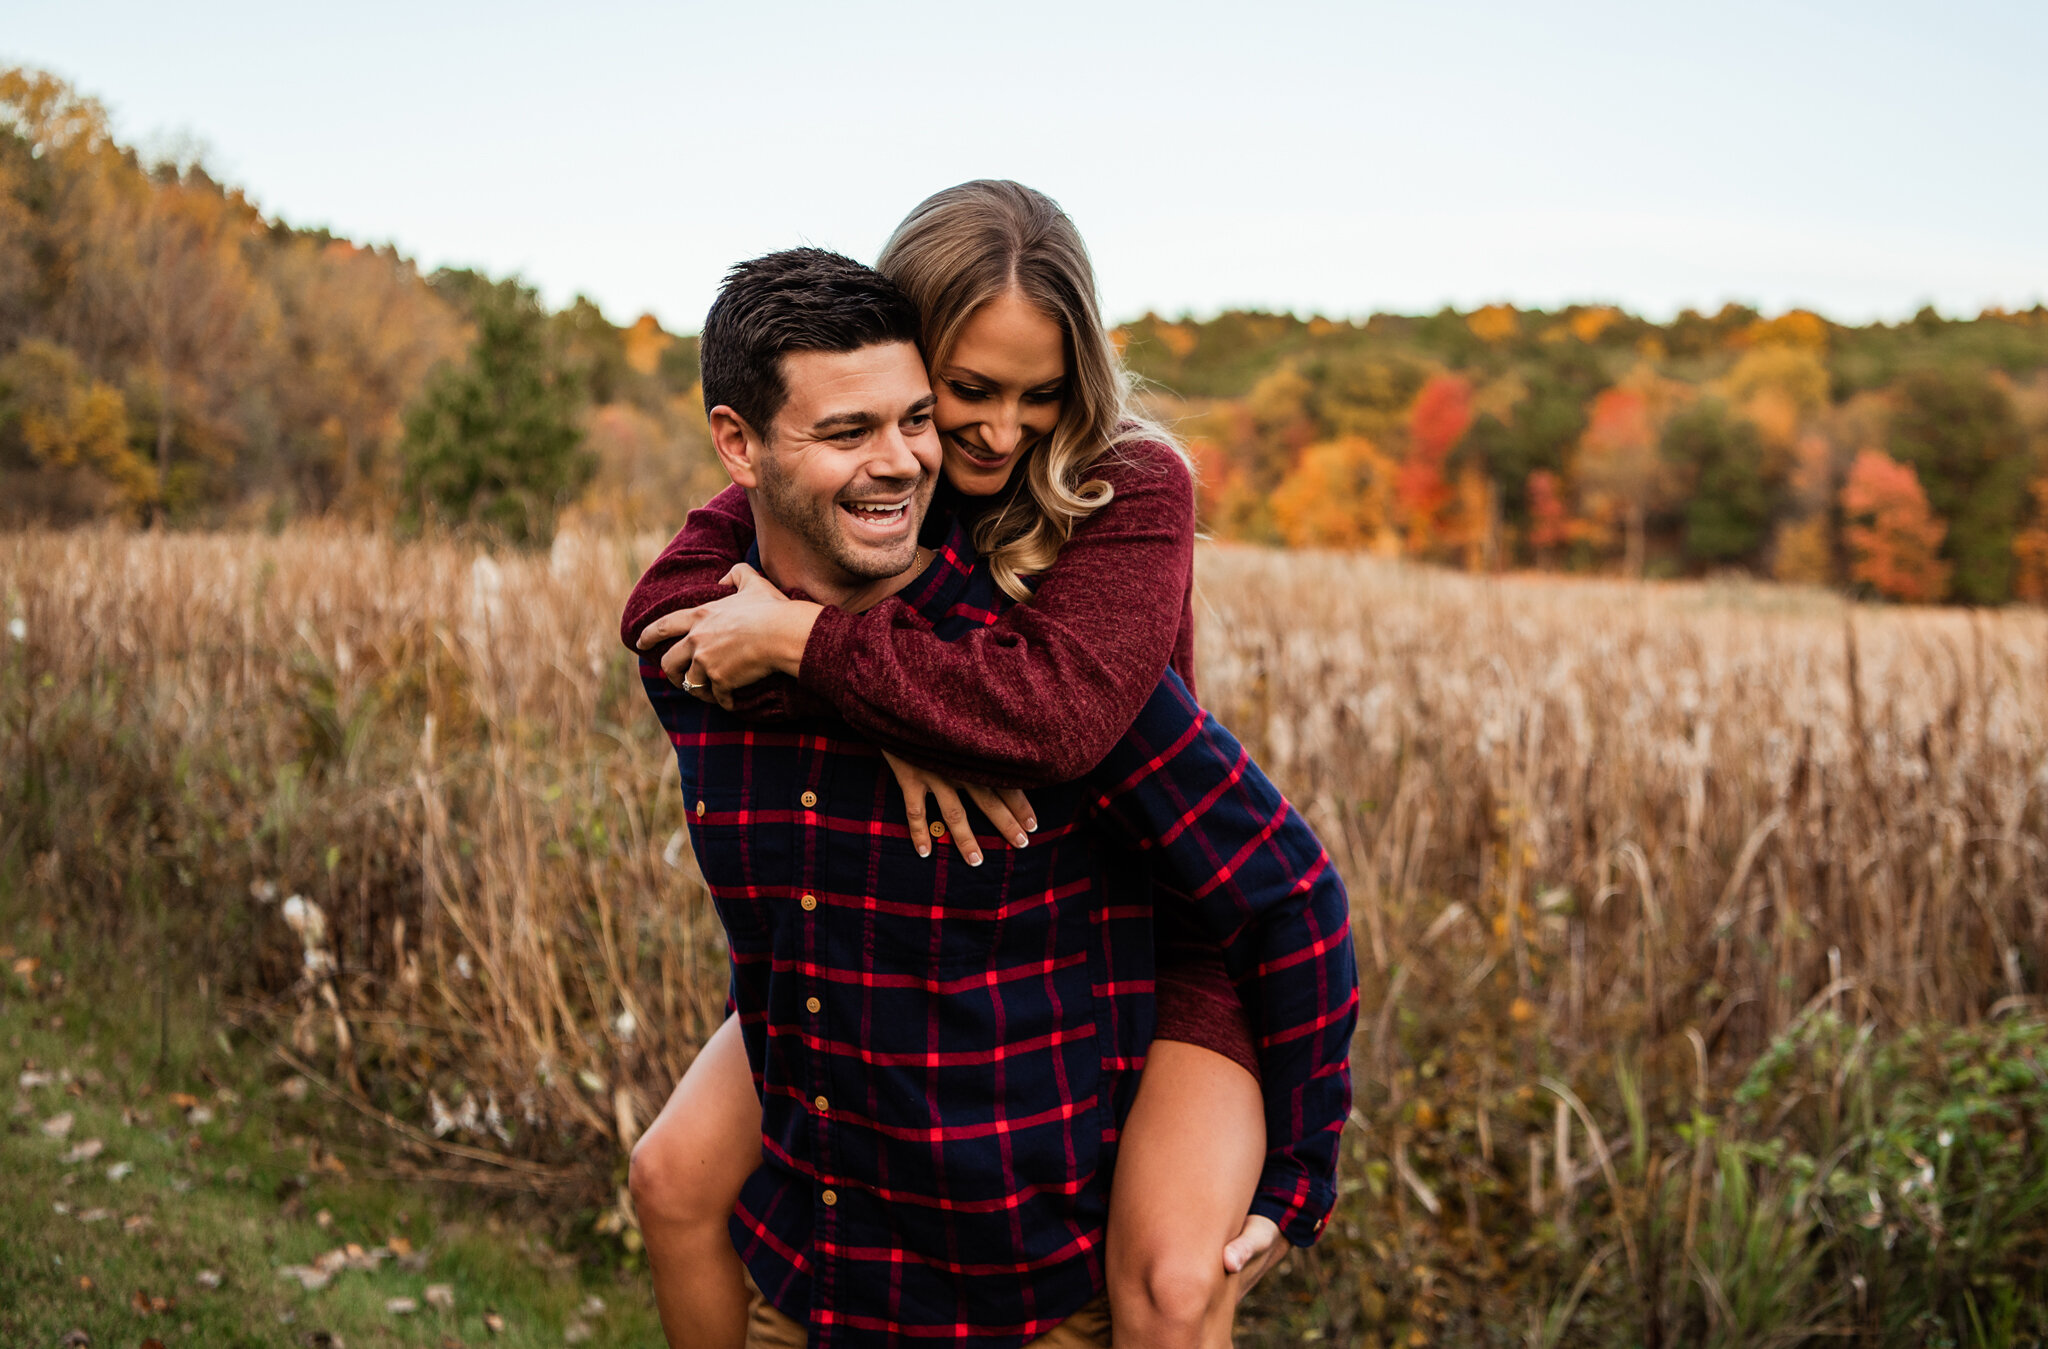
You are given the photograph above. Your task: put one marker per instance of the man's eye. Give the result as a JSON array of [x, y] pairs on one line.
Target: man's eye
[[850, 437], [917, 421], [967, 392]]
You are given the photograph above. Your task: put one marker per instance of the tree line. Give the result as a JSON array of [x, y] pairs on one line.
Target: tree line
[[169, 354], [1903, 460]]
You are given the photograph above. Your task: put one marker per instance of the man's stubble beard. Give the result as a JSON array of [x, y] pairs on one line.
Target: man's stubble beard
[[816, 523]]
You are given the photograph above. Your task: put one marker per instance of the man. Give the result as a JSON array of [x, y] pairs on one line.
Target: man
[[945, 1053]]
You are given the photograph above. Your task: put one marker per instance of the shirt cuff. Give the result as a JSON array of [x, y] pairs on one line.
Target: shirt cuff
[[1300, 1221]]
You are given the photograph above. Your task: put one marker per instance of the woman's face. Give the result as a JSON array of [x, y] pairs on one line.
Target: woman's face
[[999, 392]]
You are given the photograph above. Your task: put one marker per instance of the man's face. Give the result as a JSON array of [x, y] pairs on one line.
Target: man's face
[[850, 464]]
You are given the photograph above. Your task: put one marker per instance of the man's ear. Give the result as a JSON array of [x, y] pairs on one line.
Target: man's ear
[[739, 449]]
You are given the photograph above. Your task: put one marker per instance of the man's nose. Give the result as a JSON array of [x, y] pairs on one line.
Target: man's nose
[[894, 457]]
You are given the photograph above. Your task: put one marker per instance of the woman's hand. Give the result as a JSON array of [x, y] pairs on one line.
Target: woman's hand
[[1256, 1248], [730, 643], [1005, 807]]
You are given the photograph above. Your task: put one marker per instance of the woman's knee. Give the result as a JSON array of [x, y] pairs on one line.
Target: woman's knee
[[1168, 1286], [668, 1181]]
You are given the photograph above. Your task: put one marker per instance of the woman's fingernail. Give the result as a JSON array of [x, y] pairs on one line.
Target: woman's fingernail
[[974, 859], [1032, 825], [923, 851], [1023, 840]]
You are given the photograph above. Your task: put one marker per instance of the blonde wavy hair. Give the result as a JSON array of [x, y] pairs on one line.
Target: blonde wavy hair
[[968, 245]]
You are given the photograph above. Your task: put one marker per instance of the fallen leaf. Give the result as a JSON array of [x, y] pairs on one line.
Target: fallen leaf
[[120, 1170], [208, 1278], [135, 1224], [399, 1246], [401, 1306], [56, 1126], [35, 1077], [493, 1322], [27, 965], [93, 1215], [75, 1339], [440, 1295], [184, 1100], [323, 1218], [60, 1208], [85, 1283], [84, 1152], [593, 1306], [575, 1333]]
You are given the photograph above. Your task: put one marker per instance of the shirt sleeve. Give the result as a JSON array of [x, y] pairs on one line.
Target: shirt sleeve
[[691, 571], [1039, 696], [1227, 848]]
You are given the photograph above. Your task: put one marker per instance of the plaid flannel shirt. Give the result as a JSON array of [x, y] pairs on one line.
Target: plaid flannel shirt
[[945, 1054]]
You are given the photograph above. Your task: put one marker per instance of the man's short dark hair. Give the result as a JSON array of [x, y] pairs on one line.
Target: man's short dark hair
[[801, 299]]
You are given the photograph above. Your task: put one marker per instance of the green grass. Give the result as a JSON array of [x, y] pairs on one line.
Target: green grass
[[265, 1182]]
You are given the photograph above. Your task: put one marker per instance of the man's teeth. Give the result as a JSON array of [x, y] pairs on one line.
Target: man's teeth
[[876, 512]]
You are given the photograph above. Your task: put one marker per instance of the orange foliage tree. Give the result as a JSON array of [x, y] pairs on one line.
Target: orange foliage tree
[[1894, 538], [1340, 495], [2030, 550]]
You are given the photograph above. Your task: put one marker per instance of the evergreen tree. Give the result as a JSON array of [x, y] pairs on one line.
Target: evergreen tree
[[1962, 437], [1732, 500], [494, 446]]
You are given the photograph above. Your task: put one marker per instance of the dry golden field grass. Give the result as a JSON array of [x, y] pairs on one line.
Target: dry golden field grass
[[1609, 847]]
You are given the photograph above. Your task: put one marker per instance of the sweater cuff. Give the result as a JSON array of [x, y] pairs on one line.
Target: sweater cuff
[[827, 653]]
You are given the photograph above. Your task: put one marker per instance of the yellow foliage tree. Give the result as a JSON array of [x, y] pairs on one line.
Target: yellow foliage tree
[[69, 420], [1339, 495]]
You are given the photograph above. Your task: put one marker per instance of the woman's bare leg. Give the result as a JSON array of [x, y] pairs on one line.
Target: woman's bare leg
[[686, 1176], [1186, 1171]]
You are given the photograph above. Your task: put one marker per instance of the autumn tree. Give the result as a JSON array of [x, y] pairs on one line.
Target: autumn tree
[[493, 445], [1437, 421], [2030, 550], [63, 419], [1618, 462], [1893, 537], [1340, 495], [1962, 437], [360, 332]]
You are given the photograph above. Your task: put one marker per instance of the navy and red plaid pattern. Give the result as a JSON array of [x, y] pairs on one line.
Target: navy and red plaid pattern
[[946, 1053]]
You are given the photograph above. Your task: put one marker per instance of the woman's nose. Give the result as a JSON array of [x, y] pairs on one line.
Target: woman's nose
[[1002, 431]]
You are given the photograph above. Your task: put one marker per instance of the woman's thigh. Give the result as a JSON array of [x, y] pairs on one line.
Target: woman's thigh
[[1188, 1163], [706, 1141]]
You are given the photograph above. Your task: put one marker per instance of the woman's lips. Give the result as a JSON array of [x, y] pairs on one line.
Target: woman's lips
[[978, 456]]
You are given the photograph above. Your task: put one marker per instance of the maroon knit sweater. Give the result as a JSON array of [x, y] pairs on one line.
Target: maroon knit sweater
[[1042, 695]]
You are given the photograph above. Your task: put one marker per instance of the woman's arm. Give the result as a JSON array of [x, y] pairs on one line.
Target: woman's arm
[[691, 571], [1043, 693]]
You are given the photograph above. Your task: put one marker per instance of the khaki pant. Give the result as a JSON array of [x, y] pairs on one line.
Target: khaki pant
[[768, 1328]]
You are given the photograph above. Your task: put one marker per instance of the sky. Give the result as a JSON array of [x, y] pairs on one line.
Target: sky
[[1860, 159]]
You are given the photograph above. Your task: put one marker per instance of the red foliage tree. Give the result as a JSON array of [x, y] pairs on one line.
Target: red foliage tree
[[1894, 538], [1549, 520], [1437, 421]]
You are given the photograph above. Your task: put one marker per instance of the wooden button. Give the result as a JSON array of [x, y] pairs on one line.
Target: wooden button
[[938, 828], [810, 799], [700, 810], [830, 1197], [822, 1104], [809, 902], [812, 1005]]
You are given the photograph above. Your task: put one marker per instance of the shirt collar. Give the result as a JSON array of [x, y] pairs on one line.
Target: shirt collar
[[944, 581]]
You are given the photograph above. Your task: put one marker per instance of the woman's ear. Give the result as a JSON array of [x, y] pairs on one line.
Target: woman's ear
[[739, 449]]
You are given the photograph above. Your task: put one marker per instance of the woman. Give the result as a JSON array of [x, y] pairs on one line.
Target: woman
[[1066, 487]]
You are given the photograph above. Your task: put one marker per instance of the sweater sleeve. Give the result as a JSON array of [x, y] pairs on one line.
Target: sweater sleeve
[[1042, 694], [691, 571]]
